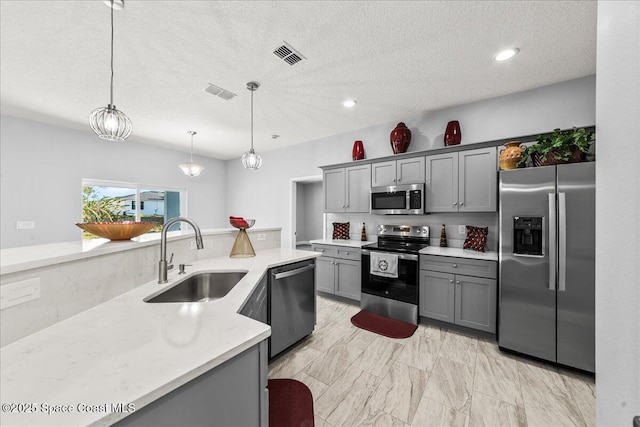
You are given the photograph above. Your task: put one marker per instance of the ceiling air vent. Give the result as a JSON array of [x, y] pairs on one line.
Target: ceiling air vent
[[218, 91], [288, 54]]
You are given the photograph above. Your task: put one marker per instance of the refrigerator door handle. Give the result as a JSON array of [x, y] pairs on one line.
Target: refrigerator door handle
[[562, 242], [552, 241]]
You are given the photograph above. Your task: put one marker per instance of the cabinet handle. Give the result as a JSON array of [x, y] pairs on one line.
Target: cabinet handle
[[455, 204], [451, 281], [461, 203], [399, 179], [395, 180], [346, 253], [457, 282], [455, 265]]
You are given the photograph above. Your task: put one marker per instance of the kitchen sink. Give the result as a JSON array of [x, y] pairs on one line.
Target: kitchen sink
[[200, 287]]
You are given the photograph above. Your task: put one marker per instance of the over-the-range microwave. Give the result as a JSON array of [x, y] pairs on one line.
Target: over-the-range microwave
[[406, 199]]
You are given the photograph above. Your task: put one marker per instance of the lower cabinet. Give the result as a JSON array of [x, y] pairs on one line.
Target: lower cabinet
[[338, 271], [468, 299], [232, 394]]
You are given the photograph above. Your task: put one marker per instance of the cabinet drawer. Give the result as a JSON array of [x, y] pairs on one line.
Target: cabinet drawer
[[347, 253], [466, 266], [326, 250]]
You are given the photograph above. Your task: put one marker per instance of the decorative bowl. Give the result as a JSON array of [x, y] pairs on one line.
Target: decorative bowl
[[117, 230], [239, 222]]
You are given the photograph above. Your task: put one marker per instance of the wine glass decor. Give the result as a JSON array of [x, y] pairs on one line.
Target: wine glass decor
[[242, 247]]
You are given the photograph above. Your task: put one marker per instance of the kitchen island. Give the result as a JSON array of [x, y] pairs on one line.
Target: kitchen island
[[126, 351]]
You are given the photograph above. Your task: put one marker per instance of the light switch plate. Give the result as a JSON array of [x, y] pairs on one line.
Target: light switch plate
[[262, 236], [25, 225], [462, 229]]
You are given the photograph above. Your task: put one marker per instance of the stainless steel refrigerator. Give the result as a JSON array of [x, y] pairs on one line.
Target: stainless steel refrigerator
[[547, 263]]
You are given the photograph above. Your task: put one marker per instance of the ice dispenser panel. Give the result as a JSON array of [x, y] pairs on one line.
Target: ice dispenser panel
[[527, 235]]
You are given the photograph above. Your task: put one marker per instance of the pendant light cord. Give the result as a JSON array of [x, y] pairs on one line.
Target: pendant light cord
[[192, 147], [111, 98], [252, 90]]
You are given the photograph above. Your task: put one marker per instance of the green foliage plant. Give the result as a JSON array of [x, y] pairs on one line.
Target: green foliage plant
[[560, 145]]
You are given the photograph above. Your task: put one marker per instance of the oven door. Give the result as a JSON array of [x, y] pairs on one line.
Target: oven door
[[403, 288]]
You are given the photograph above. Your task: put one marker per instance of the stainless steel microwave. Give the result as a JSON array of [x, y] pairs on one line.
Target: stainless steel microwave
[[406, 199]]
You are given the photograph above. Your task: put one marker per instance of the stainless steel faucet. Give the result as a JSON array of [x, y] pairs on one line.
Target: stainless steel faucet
[[163, 265]]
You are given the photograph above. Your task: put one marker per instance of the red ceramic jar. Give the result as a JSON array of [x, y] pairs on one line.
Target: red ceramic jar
[[400, 138]]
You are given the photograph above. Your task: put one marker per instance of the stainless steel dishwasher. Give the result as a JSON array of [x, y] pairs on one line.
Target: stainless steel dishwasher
[[292, 304]]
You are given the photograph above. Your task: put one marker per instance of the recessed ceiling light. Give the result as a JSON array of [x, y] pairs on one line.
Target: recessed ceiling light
[[506, 54], [349, 103]]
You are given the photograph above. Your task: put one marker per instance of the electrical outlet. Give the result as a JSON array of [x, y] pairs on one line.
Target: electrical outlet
[[262, 236], [462, 229], [192, 245], [25, 225]]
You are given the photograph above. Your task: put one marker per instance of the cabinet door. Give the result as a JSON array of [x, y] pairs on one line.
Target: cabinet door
[[442, 183], [358, 188], [437, 296], [325, 276], [348, 274], [334, 190], [478, 177], [410, 171], [383, 173], [476, 303]]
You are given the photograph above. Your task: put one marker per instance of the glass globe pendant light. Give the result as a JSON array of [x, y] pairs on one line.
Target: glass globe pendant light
[[191, 169], [110, 123], [250, 159]]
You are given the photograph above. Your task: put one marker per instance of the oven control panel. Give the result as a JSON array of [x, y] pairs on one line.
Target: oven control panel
[[403, 230]]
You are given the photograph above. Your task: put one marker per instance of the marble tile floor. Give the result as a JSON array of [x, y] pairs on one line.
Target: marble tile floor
[[435, 378]]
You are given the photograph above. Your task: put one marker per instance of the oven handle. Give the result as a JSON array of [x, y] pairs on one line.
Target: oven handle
[[400, 256]]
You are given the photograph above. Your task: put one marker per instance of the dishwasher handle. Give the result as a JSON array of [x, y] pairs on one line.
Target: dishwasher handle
[[290, 273]]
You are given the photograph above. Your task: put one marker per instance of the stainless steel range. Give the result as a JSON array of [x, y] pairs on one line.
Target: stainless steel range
[[390, 272]]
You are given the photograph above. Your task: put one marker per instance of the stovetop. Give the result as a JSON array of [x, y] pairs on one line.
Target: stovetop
[[401, 238]]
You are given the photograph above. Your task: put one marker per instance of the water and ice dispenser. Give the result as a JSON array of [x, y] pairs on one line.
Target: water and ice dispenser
[[528, 235]]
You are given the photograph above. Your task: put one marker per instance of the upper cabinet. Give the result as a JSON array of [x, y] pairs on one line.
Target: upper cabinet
[[347, 189], [395, 172], [464, 181]]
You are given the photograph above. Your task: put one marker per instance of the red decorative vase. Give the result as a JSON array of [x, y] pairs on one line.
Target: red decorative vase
[[358, 151], [452, 136], [400, 138]]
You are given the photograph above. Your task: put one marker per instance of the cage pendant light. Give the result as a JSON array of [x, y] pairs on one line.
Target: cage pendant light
[[191, 169], [250, 159], [110, 123]]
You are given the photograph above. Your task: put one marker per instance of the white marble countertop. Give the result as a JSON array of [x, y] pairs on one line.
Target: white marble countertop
[[14, 260], [128, 351], [459, 253], [343, 242]]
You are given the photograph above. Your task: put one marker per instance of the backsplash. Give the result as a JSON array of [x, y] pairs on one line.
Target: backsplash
[[434, 221], [69, 288]]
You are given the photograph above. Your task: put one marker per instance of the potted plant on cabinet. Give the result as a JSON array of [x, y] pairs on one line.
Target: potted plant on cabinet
[[568, 146]]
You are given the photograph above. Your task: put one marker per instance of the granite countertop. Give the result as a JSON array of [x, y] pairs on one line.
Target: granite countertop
[[14, 260], [459, 253], [128, 351], [343, 242]]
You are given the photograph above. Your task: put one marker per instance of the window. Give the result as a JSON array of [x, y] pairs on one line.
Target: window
[[109, 201]]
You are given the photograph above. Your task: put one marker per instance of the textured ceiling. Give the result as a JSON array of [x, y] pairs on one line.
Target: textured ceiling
[[397, 59]]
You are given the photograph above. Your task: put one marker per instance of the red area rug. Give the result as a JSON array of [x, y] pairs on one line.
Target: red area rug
[[381, 325], [290, 404]]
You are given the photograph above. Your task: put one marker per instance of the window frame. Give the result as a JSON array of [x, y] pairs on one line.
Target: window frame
[[137, 187]]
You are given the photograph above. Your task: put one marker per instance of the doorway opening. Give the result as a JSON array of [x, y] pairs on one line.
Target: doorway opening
[[307, 213]]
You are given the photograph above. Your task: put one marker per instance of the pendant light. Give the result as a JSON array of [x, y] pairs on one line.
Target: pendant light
[[110, 123], [191, 169], [250, 159]]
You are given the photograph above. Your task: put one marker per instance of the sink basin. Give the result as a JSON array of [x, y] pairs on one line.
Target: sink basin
[[200, 287]]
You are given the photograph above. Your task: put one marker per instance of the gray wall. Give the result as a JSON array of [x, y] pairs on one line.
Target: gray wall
[[265, 194], [42, 167], [618, 214]]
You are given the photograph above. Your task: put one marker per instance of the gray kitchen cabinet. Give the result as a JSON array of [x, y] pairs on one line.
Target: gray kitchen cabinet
[[347, 189], [459, 290], [232, 394], [394, 172], [338, 271], [464, 181]]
